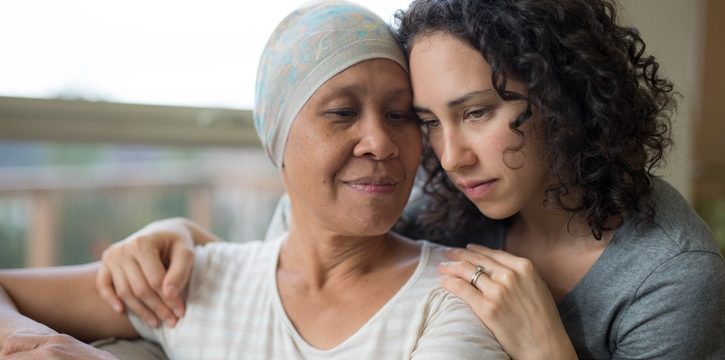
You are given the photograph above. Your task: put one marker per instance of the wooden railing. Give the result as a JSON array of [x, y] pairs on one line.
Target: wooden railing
[[204, 189]]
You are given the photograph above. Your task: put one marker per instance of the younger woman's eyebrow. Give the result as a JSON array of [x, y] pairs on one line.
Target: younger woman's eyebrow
[[459, 100], [418, 109], [465, 97]]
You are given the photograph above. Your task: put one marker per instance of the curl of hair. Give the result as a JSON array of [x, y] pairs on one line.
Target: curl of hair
[[599, 99]]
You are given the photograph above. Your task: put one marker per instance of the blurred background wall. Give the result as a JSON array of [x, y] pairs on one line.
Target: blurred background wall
[[80, 169], [688, 38], [674, 33]]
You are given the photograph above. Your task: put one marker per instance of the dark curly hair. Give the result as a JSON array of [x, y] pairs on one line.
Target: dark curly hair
[[603, 107]]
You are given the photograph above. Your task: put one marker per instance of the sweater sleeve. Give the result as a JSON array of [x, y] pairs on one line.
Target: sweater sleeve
[[678, 311]]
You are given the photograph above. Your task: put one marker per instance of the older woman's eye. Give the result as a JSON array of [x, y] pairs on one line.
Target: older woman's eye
[[343, 113], [400, 116]]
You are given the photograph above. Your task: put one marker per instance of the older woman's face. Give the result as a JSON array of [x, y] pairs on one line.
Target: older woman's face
[[353, 151]]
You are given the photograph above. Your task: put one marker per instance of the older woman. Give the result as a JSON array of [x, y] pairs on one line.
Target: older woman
[[333, 112]]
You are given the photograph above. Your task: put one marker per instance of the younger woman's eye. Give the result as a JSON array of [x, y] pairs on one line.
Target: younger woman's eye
[[476, 113], [430, 124]]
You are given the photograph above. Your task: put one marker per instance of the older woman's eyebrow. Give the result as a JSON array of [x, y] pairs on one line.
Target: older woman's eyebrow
[[355, 90]]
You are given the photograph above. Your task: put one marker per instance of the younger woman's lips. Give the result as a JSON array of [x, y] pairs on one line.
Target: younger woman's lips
[[477, 190]]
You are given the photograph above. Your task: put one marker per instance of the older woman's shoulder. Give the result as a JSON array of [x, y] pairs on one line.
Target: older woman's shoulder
[[236, 252], [221, 260]]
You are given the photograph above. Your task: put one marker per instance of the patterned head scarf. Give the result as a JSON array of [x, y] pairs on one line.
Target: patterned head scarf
[[310, 46]]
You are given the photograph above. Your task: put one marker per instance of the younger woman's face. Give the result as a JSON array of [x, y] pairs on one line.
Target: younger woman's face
[[467, 124], [353, 151]]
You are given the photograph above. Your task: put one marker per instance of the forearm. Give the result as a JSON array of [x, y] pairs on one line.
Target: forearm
[[63, 299]]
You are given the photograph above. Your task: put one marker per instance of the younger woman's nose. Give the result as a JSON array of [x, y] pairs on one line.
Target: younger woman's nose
[[454, 151]]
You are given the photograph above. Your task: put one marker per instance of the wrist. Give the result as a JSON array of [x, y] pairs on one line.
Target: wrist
[[557, 345], [199, 235], [563, 348]]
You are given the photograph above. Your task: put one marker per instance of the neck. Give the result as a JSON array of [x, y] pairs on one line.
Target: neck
[[551, 226], [320, 257]]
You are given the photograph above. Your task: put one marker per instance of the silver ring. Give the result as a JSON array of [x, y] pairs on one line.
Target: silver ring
[[479, 270]]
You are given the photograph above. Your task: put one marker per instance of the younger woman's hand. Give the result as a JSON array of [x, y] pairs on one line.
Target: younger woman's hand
[[509, 297], [148, 271]]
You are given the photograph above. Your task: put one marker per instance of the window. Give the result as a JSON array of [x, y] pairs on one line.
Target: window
[[190, 53]]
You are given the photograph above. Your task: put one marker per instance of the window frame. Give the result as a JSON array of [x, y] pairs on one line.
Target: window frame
[[103, 122]]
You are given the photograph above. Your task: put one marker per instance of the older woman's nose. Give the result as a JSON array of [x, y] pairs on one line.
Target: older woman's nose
[[376, 139]]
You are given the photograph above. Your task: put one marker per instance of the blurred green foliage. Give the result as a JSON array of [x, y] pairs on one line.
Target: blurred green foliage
[[90, 221], [12, 236], [713, 212]]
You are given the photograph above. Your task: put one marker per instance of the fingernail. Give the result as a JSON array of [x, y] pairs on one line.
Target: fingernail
[[445, 263], [153, 322], [170, 322], [178, 311], [117, 307]]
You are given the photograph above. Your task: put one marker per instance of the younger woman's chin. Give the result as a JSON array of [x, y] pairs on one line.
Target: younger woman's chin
[[494, 213]]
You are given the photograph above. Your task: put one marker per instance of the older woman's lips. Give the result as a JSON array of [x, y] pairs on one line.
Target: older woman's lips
[[476, 189], [373, 185]]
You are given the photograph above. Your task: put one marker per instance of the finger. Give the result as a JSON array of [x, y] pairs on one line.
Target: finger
[[462, 269], [10, 348], [152, 267], [490, 264], [470, 295], [154, 273], [515, 268], [499, 256], [124, 291], [459, 276], [15, 356], [465, 272], [104, 285], [17, 343], [177, 277], [148, 296], [19, 355]]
